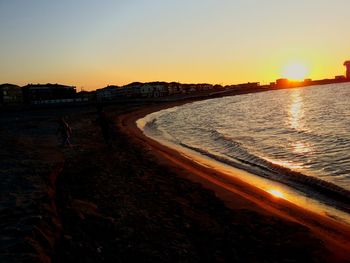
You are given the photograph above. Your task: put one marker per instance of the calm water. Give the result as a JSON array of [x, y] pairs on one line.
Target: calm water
[[296, 136]]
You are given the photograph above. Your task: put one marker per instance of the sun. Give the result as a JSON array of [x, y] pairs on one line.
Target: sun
[[295, 71]]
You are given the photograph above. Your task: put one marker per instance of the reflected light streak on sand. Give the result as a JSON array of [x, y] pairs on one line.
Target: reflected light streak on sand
[[276, 193]]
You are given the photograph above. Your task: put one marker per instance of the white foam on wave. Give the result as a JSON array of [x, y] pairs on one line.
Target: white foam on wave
[[297, 197]]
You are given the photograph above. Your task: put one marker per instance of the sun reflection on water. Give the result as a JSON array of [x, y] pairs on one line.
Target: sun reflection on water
[[300, 147], [288, 164], [296, 114], [296, 110]]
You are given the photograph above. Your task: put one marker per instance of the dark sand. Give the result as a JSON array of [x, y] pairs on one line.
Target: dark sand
[[125, 198], [121, 197]]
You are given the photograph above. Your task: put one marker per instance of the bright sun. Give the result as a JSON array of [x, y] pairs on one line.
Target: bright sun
[[295, 71]]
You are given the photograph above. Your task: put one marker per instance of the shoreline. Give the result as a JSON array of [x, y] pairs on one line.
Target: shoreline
[[293, 186], [119, 197], [238, 193]]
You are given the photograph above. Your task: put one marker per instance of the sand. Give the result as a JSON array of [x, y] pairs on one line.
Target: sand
[[124, 197], [238, 194], [121, 197]]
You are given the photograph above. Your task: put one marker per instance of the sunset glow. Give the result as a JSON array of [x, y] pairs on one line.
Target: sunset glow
[[175, 130], [91, 44], [276, 193], [295, 71]]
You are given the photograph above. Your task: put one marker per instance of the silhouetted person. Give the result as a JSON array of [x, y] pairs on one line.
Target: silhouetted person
[[65, 132]]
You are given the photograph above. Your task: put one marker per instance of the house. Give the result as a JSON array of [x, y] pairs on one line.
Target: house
[[185, 88], [147, 90], [218, 87], [205, 87], [133, 89], [155, 89], [86, 96], [47, 93], [230, 87], [110, 93], [161, 89], [249, 85], [10, 94], [174, 88]]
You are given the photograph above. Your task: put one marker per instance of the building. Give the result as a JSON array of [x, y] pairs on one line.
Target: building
[[10, 94], [174, 88], [249, 85], [282, 83], [155, 89], [307, 81], [340, 77], [110, 93], [347, 65], [47, 93], [202, 87], [147, 90], [133, 89], [86, 96]]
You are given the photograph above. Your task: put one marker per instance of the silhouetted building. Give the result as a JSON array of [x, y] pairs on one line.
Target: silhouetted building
[[133, 89], [110, 93], [10, 94], [347, 65], [36, 93], [86, 96], [155, 89], [282, 83], [174, 88], [248, 85], [340, 77], [307, 82]]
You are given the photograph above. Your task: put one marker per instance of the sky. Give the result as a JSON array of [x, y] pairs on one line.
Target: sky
[[94, 43]]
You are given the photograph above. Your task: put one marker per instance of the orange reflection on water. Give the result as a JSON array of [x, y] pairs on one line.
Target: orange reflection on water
[[296, 114], [296, 110], [288, 164], [300, 147]]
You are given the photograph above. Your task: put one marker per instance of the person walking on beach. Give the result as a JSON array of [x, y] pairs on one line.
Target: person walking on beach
[[65, 132]]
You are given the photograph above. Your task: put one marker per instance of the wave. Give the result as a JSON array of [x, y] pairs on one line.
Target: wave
[[241, 158], [311, 186], [152, 127], [242, 137]]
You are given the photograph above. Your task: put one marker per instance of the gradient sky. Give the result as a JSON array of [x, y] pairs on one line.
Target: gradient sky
[[93, 43]]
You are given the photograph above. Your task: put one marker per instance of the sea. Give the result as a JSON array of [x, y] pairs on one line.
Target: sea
[[298, 138]]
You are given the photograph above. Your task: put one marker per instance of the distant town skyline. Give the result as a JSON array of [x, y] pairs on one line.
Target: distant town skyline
[[91, 44]]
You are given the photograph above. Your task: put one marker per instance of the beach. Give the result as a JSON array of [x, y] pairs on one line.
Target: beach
[[175, 131], [120, 196], [239, 194]]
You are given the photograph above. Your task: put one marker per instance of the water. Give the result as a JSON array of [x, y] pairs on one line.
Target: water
[[298, 137]]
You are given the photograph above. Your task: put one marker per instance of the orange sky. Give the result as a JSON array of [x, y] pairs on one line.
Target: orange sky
[[91, 44]]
